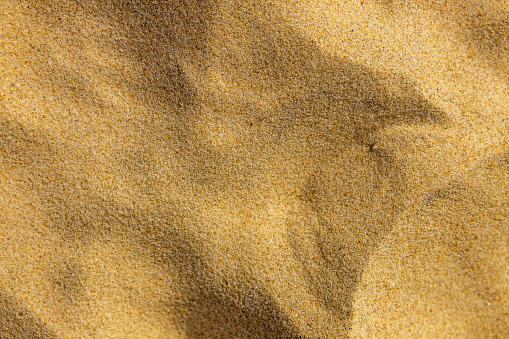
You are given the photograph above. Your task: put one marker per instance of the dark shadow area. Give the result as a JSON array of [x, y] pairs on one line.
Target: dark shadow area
[[16, 322], [209, 309], [67, 280], [159, 35], [489, 35]]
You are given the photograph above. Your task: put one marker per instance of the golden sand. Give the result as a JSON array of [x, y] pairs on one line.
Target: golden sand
[[254, 169]]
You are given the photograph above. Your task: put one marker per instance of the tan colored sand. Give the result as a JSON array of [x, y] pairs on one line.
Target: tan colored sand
[[254, 169]]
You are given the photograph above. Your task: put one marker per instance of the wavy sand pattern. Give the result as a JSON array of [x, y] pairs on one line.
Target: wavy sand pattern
[[254, 169]]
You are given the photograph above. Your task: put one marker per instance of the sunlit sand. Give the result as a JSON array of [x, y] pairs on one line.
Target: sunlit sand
[[254, 169]]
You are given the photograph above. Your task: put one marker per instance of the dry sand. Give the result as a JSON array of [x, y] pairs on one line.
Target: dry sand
[[254, 169]]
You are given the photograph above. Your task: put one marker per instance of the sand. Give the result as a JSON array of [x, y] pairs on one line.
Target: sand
[[254, 169]]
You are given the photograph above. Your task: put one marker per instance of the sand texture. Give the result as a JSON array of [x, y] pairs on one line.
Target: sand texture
[[254, 169]]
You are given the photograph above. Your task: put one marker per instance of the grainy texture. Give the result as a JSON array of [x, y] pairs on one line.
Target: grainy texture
[[254, 169]]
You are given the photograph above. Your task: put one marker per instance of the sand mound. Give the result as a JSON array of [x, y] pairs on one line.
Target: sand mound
[[253, 169]]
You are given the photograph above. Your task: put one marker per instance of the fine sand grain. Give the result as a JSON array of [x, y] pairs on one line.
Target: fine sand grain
[[254, 169]]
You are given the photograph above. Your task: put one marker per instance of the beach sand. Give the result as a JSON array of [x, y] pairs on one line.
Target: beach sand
[[254, 169]]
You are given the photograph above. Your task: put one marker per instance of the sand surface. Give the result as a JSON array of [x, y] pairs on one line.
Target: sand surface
[[254, 169]]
